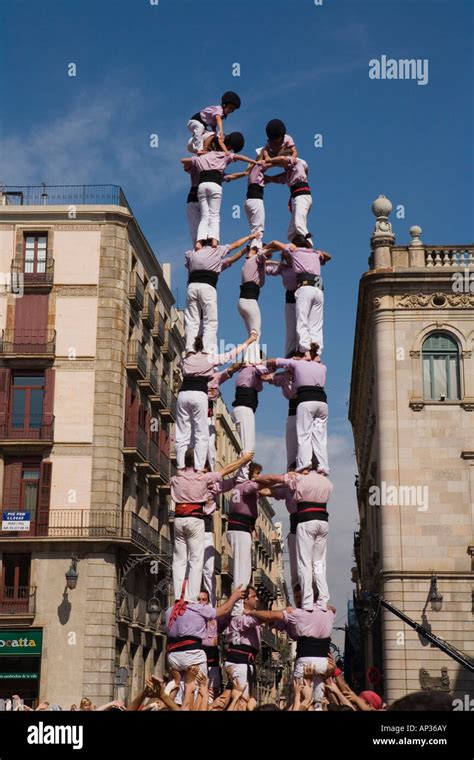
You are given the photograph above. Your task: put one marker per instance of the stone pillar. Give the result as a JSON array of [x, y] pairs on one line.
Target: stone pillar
[[416, 250], [382, 238]]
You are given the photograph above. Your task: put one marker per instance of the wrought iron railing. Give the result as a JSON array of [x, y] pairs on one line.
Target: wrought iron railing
[[17, 600], [136, 292], [63, 195], [29, 341], [136, 356], [37, 431]]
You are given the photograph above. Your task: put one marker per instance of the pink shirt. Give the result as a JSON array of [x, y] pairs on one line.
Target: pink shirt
[[310, 487], [296, 171], [208, 115], [201, 364], [192, 487], [208, 258], [244, 496], [213, 160], [257, 175], [284, 381], [192, 622], [315, 623], [288, 142], [244, 629], [305, 371], [283, 492], [288, 274], [305, 260], [250, 377], [210, 639], [216, 380], [253, 269]]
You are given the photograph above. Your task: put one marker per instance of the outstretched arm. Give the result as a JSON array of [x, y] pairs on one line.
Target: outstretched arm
[[233, 466], [240, 157], [236, 175], [239, 242], [226, 608], [268, 616], [229, 260], [267, 481]]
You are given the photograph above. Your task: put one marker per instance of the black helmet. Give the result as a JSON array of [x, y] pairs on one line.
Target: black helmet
[[275, 129], [235, 141], [230, 98]]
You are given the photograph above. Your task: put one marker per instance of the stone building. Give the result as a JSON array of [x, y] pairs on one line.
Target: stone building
[[90, 340], [412, 413]]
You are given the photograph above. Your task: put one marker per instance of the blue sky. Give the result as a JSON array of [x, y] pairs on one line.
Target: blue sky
[[144, 69]]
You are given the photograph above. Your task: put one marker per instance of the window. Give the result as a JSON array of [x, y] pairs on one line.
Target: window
[[440, 367], [30, 480], [27, 402], [16, 575], [35, 254]]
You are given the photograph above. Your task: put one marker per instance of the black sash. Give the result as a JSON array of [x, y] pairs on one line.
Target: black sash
[[189, 509], [292, 406], [250, 290], [193, 195], [197, 117], [290, 296], [244, 523], [308, 646], [241, 654], [208, 527], [212, 655], [246, 397], [204, 275], [183, 643], [210, 175], [194, 383], [311, 393], [300, 188], [311, 510], [293, 522], [255, 191]]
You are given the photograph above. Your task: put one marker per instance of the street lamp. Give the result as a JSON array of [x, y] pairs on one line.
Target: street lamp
[[154, 609], [72, 575], [435, 597]]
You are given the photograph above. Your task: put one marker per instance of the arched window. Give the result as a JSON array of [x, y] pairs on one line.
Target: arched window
[[440, 367]]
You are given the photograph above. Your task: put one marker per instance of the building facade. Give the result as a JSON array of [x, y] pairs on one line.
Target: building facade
[[90, 341], [412, 413]]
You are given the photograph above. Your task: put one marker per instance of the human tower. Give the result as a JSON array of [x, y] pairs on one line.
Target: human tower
[[194, 623]]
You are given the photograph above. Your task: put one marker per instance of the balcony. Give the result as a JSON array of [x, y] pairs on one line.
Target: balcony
[[32, 281], [148, 313], [153, 456], [136, 291], [264, 584], [178, 338], [268, 637], [135, 442], [161, 395], [17, 344], [169, 410], [63, 195], [40, 434], [142, 533], [158, 331], [168, 347], [150, 381], [137, 359], [17, 601], [166, 471]]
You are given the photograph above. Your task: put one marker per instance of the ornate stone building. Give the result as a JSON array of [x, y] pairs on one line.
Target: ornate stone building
[[412, 413]]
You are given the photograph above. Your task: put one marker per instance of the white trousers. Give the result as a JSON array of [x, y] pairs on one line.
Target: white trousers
[[293, 563], [208, 577], [300, 208], [239, 673], [192, 422], [291, 439], [291, 340], [244, 419], [198, 130], [320, 664], [211, 446], [209, 197], [181, 661], [241, 544], [201, 298], [309, 316], [188, 554], [194, 217], [311, 431], [249, 310], [311, 540], [255, 211]]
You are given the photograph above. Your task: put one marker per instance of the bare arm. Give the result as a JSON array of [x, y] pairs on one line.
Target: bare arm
[[233, 466], [239, 242], [229, 260], [236, 175], [270, 480], [240, 157], [226, 608], [268, 616]]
